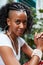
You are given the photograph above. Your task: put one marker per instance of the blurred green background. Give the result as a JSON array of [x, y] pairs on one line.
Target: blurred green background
[[37, 27]]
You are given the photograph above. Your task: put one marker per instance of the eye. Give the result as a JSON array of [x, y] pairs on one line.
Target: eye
[[17, 22], [25, 22]]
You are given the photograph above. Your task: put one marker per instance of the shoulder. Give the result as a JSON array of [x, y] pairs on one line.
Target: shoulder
[[4, 40], [3, 37]]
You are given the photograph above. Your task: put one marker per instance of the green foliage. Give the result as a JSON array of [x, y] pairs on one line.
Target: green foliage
[[10, 1], [29, 38], [41, 10]]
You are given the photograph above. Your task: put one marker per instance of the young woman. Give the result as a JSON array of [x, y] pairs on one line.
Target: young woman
[[15, 20]]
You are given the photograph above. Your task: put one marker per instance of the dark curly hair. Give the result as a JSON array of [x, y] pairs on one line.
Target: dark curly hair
[[4, 13]]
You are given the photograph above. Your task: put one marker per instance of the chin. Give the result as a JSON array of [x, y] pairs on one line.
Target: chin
[[19, 34]]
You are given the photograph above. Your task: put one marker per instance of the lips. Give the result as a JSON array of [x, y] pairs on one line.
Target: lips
[[20, 31]]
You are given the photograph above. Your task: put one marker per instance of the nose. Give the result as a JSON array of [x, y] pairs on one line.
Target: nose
[[21, 25]]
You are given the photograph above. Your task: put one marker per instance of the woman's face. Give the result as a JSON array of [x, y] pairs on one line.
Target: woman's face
[[17, 22]]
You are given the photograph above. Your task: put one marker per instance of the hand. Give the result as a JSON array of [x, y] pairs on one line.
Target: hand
[[38, 39], [38, 34]]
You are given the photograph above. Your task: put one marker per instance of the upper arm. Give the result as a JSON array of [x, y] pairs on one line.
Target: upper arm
[[8, 56]]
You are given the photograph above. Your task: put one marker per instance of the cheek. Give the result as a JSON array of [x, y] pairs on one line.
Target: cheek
[[14, 27], [25, 26]]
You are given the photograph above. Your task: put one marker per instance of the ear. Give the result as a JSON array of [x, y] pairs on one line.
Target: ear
[[8, 21]]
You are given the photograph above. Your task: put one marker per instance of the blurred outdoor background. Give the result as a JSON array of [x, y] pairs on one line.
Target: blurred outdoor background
[[36, 7]]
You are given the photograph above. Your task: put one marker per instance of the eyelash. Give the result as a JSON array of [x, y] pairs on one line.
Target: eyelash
[[18, 22]]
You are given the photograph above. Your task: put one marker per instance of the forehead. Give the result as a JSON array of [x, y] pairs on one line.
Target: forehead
[[15, 14]]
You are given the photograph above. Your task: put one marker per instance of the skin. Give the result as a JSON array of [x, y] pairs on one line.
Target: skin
[[16, 29], [38, 39], [17, 23]]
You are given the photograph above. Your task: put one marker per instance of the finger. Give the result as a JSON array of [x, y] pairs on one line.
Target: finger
[[38, 35], [42, 36], [35, 38], [35, 34]]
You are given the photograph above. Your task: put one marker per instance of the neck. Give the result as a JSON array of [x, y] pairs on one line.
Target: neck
[[14, 40], [13, 36]]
